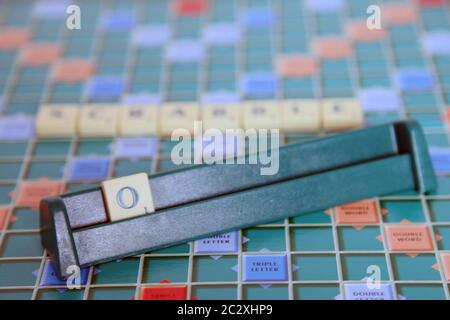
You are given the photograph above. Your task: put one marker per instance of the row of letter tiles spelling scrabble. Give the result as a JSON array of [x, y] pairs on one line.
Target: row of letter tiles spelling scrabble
[[222, 52], [106, 120]]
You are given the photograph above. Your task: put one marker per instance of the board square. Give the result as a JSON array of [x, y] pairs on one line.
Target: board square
[[409, 237], [164, 293], [13, 38], [332, 48], [359, 31], [362, 291], [31, 192], [3, 214], [89, 169], [135, 147], [39, 53], [398, 13], [296, 66], [73, 70], [49, 277], [265, 267], [16, 127], [227, 242], [360, 212], [445, 258], [190, 7]]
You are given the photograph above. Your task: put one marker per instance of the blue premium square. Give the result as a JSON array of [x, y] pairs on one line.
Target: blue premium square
[[265, 267]]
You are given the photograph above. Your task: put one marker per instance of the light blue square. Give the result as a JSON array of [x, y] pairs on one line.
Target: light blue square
[[259, 84], [227, 242], [440, 158], [118, 21], [89, 169], [410, 79], [105, 87], [257, 17], [135, 147], [49, 277], [265, 267], [362, 291]]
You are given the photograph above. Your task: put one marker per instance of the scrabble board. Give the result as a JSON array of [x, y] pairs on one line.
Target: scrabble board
[[236, 52]]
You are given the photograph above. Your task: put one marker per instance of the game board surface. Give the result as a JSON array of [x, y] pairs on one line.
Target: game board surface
[[156, 51]]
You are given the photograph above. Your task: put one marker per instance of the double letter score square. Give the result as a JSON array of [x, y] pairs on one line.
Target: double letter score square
[[128, 197]]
